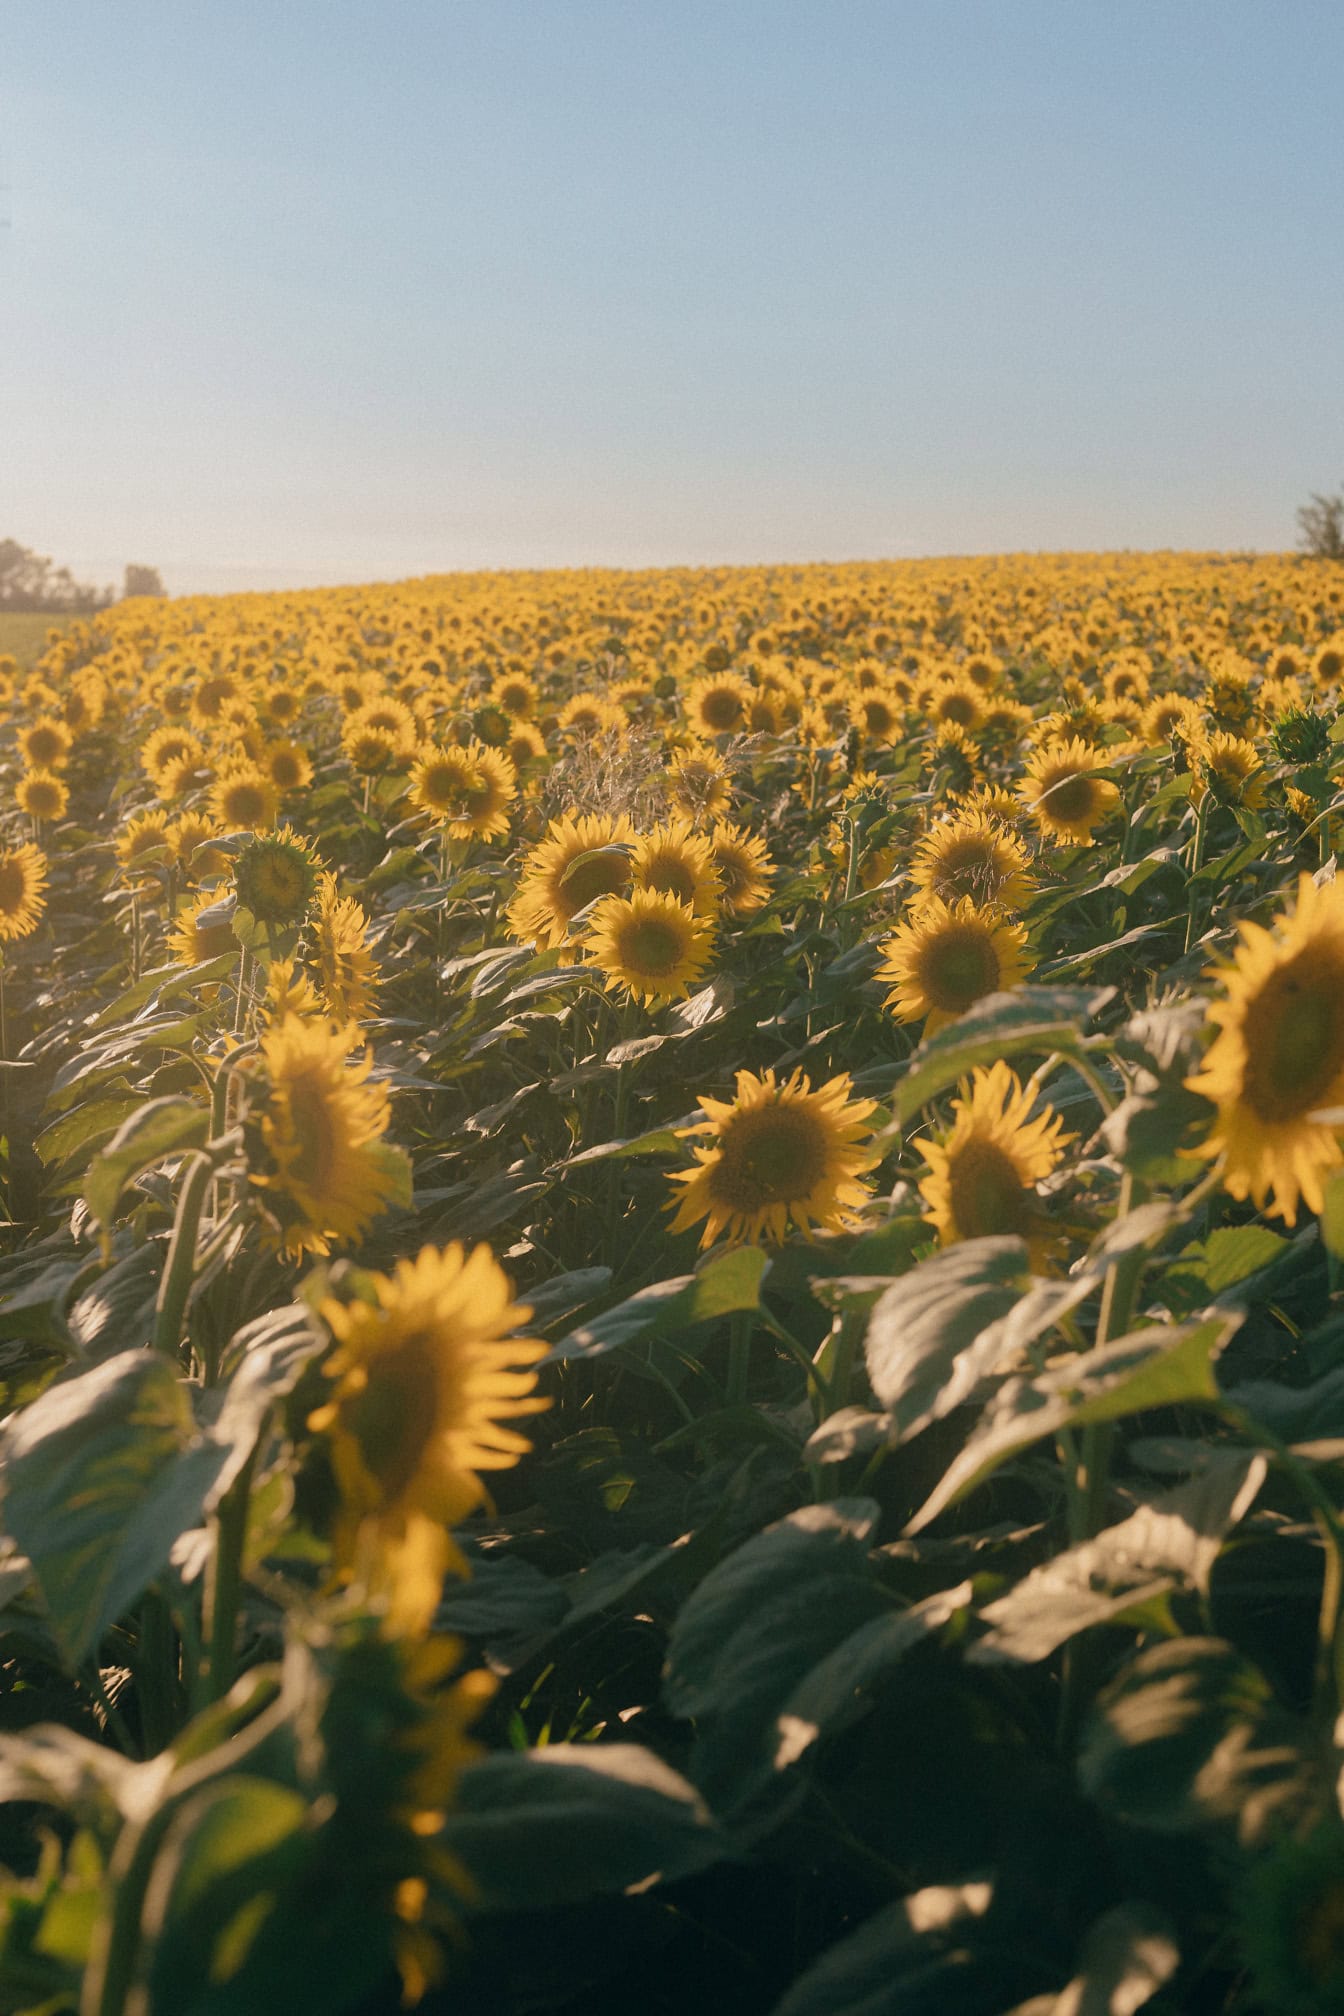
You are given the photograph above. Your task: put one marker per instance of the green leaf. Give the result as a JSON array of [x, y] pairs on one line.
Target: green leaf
[[935, 1953], [922, 1328], [162, 1128], [101, 1474], [572, 1821], [1030, 1019], [92, 1122], [1149, 1368], [1128, 1954], [730, 1282]]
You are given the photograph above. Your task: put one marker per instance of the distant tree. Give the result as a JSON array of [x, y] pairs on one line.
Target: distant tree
[[143, 581], [1321, 527], [28, 581]]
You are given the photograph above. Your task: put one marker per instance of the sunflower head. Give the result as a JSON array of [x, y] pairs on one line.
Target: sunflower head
[[946, 957], [347, 966], [971, 854], [1063, 793], [243, 797], [580, 859], [192, 941], [23, 881], [678, 861], [983, 1173], [42, 795], [743, 862], [275, 877], [651, 944], [1301, 736], [777, 1156]]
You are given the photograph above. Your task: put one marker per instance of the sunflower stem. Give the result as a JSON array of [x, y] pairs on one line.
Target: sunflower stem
[[1197, 848], [180, 1267], [224, 1578]]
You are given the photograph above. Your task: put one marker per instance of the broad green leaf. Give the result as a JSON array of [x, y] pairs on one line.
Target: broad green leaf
[[931, 1954], [145, 1138], [95, 1121], [922, 1329], [1127, 1956], [101, 1475], [726, 1284], [1030, 1019]]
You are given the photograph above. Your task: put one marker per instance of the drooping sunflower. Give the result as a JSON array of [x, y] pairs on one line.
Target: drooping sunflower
[[945, 957], [651, 944], [23, 882], [427, 1377], [41, 794], [1063, 793], [982, 1175], [347, 966], [779, 1155], [744, 866], [677, 860], [276, 876], [972, 855], [1278, 1059], [322, 1126], [558, 881]]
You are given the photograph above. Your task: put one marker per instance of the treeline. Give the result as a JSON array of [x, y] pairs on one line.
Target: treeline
[[29, 582]]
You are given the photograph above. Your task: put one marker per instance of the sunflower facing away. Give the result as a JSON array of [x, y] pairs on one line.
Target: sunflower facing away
[[651, 944], [322, 1126], [426, 1378], [982, 1175], [23, 881], [945, 957], [1062, 792], [1277, 1062], [347, 966], [275, 877], [778, 1155], [971, 855], [557, 882]]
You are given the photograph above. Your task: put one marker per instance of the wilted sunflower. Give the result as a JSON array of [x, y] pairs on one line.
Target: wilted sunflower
[[23, 881], [558, 881], [972, 855], [652, 945], [347, 966], [945, 957], [41, 794], [1061, 790], [243, 797], [780, 1155], [427, 1375], [982, 1175], [276, 876], [744, 866], [677, 860], [322, 1126], [1278, 1060]]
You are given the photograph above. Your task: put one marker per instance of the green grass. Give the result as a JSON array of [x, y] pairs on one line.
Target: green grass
[[23, 635]]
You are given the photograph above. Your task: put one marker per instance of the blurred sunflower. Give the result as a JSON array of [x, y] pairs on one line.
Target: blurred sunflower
[[243, 797], [142, 843], [717, 705], [945, 957], [42, 795], [288, 766], [698, 783], [275, 876], [45, 745], [426, 1376], [322, 1125], [779, 1155], [191, 942], [347, 966], [1275, 1071], [23, 882], [651, 944], [1062, 792], [982, 1175]]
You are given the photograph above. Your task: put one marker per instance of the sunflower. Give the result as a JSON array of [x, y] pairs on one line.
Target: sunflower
[[288, 766], [780, 1155], [45, 745], [743, 862], [1168, 718], [958, 701], [348, 970], [142, 842], [946, 957], [677, 860], [879, 716], [1327, 667], [698, 783], [525, 745], [468, 789], [427, 1375], [167, 752], [587, 715], [982, 1174], [517, 695], [557, 880], [42, 795], [371, 751], [190, 942], [972, 855], [23, 881], [1062, 792], [322, 1126], [717, 705], [649, 943], [1229, 769], [243, 797], [289, 991], [275, 876], [388, 718], [189, 842], [1277, 1062]]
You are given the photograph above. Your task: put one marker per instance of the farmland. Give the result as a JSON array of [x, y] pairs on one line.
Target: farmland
[[669, 1312]]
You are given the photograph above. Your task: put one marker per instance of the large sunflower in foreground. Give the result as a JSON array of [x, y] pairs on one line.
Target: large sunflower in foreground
[[1063, 793], [23, 881], [427, 1375], [322, 1126], [946, 957], [778, 1155], [558, 881], [982, 1175], [972, 855], [1278, 1060], [649, 943]]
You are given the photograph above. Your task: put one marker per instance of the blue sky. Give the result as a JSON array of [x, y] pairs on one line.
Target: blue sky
[[296, 292]]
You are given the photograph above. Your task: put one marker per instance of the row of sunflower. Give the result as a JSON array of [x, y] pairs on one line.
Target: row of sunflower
[[670, 1265]]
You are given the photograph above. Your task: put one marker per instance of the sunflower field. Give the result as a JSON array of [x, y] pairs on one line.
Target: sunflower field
[[672, 1295]]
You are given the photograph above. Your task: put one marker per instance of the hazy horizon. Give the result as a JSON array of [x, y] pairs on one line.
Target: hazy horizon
[[361, 292]]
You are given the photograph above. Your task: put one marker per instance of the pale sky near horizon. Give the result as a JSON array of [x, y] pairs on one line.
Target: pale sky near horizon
[[333, 290]]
